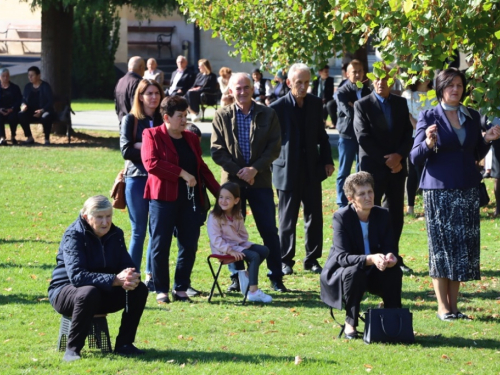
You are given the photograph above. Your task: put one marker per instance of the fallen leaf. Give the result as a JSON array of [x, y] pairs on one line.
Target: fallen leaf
[[224, 347], [444, 356], [8, 289], [298, 360], [271, 322], [368, 366], [33, 277], [34, 359], [180, 337], [171, 361], [183, 365]]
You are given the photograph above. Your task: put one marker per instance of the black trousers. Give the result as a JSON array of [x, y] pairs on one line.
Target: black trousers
[[84, 302], [356, 281], [26, 118], [330, 108], [309, 194], [194, 99], [10, 119], [391, 187]]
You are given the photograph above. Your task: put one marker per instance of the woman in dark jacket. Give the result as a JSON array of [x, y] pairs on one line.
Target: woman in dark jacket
[[447, 144], [37, 106], [206, 81], [361, 258], [10, 102], [95, 275], [176, 172], [145, 114]]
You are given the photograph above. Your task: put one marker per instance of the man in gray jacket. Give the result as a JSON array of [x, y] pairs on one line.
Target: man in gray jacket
[[245, 141]]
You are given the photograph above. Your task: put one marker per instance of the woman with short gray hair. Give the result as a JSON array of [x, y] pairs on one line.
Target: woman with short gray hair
[[95, 275]]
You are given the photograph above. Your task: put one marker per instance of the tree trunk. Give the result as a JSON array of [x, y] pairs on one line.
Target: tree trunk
[[57, 36]]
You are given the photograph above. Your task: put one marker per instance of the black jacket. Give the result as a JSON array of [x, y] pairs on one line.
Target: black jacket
[[345, 95], [185, 82], [348, 248], [124, 93], [45, 96], [327, 91], [85, 259], [135, 167], [316, 158], [17, 97]]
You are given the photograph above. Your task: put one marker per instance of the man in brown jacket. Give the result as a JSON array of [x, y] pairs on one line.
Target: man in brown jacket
[[246, 139]]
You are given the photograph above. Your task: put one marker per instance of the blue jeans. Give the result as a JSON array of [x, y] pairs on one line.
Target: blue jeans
[[348, 152], [163, 218], [255, 255], [138, 210], [261, 202]]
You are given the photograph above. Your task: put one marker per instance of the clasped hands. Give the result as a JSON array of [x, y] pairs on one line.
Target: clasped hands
[[128, 279], [247, 174], [393, 161], [382, 261], [236, 254]]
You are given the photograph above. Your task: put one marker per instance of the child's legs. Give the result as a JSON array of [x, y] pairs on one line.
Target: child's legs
[[255, 255]]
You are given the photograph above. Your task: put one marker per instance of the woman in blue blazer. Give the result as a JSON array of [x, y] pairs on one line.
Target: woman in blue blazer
[[447, 144]]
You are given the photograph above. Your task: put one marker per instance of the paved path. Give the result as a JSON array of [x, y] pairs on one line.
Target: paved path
[[107, 120]]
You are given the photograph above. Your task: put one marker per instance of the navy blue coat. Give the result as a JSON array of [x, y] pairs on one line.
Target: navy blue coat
[[45, 96], [85, 259], [453, 166], [15, 91]]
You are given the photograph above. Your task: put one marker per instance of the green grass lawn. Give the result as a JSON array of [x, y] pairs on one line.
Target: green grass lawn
[[41, 192], [79, 105]]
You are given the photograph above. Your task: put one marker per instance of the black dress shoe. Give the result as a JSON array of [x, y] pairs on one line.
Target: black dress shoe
[[460, 315], [352, 335], [164, 299], [235, 285], [192, 292], [405, 268], [447, 317], [278, 286], [287, 270], [129, 350], [177, 298], [314, 267]]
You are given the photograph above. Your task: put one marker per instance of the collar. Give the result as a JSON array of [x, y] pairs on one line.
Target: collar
[[238, 109], [294, 102], [460, 108], [380, 98]]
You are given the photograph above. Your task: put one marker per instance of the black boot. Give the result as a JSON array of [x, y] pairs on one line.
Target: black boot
[[235, 286]]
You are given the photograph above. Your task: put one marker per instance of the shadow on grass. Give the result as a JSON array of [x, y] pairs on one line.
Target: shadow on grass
[[456, 341], [22, 298], [177, 357], [83, 140], [42, 266], [24, 241]]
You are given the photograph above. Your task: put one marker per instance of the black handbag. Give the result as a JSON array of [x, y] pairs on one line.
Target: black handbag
[[389, 326], [484, 198]]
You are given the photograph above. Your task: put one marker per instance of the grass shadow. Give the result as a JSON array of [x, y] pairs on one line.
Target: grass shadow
[[455, 341], [22, 298]]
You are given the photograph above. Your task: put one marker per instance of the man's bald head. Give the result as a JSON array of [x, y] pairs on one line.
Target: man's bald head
[[136, 65]]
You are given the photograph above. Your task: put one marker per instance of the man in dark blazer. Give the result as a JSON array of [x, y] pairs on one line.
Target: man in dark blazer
[[322, 87], [126, 86], [300, 168], [182, 78], [355, 266], [384, 133], [347, 145]]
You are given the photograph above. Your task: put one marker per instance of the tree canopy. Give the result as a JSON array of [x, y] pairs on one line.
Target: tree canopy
[[417, 35]]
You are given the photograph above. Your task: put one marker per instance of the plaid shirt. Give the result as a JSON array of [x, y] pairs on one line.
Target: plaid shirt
[[243, 122]]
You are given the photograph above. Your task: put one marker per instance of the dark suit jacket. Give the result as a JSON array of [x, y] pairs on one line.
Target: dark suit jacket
[[262, 88], [45, 96], [349, 250], [185, 82], [17, 97], [285, 167], [124, 93], [373, 135], [345, 95], [327, 91], [453, 166]]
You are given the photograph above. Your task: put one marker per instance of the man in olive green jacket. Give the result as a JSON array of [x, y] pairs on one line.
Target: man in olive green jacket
[[246, 139]]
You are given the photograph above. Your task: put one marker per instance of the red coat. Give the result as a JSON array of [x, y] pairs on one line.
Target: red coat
[[161, 161]]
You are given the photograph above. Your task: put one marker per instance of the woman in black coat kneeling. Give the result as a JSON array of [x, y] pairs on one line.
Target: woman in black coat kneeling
[[363, 254], [95, 275]]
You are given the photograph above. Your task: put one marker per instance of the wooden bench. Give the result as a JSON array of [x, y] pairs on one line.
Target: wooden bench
[[163, 37], [25, 34]]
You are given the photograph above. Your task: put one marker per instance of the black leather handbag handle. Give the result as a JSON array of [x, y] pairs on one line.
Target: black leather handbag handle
[[400, 326]]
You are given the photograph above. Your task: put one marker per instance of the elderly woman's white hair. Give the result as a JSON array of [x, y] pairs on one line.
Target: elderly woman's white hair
[[298, 67], [95, 204], [237, 76]]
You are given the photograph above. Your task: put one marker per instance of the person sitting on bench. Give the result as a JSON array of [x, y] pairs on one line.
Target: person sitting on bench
[[37, 106]]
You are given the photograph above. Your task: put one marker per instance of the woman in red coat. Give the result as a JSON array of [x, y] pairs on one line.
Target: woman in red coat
[[176, 172]]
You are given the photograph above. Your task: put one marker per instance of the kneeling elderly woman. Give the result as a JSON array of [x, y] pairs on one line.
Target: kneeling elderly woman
[[361, 257], [95, 275]]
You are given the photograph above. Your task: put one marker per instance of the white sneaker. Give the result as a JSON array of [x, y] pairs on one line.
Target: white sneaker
[[195, 117], [244, 281], [259, 296]]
